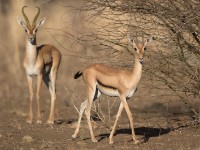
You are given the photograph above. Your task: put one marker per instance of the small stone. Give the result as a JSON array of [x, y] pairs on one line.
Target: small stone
[[27, 139]]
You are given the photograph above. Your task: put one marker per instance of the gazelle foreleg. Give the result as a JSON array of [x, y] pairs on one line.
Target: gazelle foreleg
[[115, 124], [39, 81], [130, 117], [30, 87]]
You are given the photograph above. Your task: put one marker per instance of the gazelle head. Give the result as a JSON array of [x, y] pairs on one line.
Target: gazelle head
[[139, 48], [31, 30]]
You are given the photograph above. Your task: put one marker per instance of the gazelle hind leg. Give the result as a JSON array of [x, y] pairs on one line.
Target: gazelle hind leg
[[91, 94], [82, 109], [52, 89], [47, 80], [56, 56]]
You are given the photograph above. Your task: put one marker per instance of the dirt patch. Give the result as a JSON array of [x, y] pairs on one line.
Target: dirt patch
[[155, 126]]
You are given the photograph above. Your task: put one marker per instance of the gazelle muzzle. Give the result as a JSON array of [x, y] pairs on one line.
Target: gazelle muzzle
[[141, 60], [32, 40]]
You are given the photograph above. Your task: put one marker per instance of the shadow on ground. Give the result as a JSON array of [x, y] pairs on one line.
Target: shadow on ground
[[64, 121], [147, 133]]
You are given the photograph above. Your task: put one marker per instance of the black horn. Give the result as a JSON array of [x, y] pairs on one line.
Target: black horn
[[25, 17], [35, 19]]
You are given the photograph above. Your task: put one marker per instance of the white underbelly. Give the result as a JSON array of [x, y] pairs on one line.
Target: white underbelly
[[107, 90], [113, 92], [130, 93]]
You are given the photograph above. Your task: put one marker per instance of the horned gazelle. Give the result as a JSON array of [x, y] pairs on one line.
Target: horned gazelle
[[101, 79], [42, 61]]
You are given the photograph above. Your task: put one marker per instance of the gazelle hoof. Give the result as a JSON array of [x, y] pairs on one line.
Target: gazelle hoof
[[136, 141], [111, 142], [73, 136], [50, 122], [39, 122], [94, 140], [29, 121]]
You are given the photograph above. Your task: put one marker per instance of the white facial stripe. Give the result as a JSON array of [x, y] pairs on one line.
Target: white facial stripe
[[34, 31]]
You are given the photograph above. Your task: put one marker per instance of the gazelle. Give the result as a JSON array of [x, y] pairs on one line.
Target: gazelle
[[42, 62], [101, 79]]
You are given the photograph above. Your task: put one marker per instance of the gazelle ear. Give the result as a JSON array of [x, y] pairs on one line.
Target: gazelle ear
[[131, 41], [149, 39], [41, 22], [20, 22]]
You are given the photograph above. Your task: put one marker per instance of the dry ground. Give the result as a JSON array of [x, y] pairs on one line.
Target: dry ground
[[158, 127]]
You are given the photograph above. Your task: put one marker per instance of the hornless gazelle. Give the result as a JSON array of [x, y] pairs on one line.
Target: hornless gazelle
[[101, 79], [43, 62]]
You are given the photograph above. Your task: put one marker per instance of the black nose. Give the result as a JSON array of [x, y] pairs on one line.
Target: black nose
[[32, 41]]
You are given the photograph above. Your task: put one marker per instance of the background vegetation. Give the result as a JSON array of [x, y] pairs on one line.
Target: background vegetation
[[92, 31]]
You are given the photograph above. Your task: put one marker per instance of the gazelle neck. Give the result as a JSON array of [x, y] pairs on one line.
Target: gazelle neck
[[31, 53], [137, 70]]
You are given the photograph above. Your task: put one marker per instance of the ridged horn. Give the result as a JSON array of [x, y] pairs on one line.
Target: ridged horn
[[35, 19], [25, 17]]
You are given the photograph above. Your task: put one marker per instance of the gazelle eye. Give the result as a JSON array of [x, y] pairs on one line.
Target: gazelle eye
[[36, 30], [135, 49], [145, 48], [26, 30]]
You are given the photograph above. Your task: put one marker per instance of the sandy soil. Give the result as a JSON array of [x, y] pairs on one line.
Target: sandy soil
[[156, 126]]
